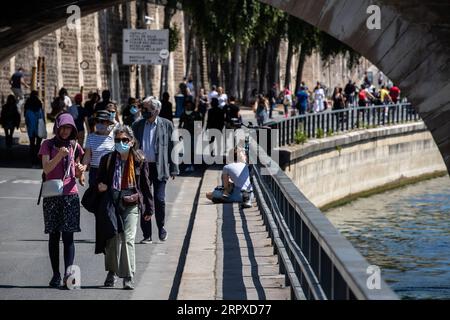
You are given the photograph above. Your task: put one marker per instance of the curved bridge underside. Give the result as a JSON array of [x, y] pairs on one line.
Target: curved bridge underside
[[412, 47]]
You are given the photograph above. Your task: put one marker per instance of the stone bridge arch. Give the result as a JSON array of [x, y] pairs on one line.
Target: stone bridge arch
[[412, 47]]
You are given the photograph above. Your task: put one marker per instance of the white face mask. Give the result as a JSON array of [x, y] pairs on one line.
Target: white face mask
[[188, 113]]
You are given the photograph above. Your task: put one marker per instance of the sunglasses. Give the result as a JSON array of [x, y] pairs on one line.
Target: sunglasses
[[124, 140]]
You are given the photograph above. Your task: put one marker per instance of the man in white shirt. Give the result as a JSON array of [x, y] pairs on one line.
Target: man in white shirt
[[236, 182]]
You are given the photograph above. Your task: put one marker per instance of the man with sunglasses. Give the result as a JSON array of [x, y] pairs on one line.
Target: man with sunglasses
[[154, 136]]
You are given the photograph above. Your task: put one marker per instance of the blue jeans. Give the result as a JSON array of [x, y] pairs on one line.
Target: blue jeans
[[272, 107], [159, 198]]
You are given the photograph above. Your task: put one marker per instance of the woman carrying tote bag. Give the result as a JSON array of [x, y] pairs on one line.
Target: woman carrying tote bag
[[61, 157]]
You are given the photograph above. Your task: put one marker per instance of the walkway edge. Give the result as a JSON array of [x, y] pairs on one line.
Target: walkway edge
[[198, 281]]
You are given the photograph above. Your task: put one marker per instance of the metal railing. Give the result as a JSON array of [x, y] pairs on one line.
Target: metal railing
[[317, 261], [338, 121]]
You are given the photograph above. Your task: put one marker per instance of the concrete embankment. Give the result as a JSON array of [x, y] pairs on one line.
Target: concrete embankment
[[338, 169]]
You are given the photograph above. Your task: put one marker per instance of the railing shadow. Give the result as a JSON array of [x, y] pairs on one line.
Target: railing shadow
[[233, 278]]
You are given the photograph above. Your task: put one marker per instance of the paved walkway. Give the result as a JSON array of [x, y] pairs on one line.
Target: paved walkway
[[230, 255], [213, 251]]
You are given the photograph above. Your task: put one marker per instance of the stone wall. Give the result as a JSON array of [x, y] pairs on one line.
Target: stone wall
[[333, 168], [100, 38]]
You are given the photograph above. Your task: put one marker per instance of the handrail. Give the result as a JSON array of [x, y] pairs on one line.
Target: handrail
[[342, 120], [339, 271]]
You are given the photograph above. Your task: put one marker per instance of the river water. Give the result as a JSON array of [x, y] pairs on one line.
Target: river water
[[406, 232]]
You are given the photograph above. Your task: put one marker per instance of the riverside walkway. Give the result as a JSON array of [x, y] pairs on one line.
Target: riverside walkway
[[281, 248]]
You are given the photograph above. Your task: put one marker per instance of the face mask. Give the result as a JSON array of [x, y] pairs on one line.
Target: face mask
[[149, 114], [122, 147], [133, 110], [113, 116], [188, 113]]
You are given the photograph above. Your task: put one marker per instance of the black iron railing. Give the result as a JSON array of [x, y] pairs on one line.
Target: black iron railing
[[318, 125], [317, 261]]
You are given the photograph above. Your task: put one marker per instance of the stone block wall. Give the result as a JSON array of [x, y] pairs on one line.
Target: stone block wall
[[66, 50]]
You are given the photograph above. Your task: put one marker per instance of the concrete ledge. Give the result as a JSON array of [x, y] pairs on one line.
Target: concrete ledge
[[335, 168], [314, 147]]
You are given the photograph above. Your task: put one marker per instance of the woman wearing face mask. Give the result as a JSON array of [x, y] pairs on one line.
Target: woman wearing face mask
[[120, 187], [130, 112], [61, 160], [99, 143], [112, 108]]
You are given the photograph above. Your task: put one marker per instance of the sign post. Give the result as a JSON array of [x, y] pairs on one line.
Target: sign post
[[145, 47]]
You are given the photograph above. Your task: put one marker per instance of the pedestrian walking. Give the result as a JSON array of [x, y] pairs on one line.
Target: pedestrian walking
[[287, 102], [103, 104], [89, 106], [99, 143], [203, 103], [120, 204], [222, 97], [188, 120], [302, 100], [154, 137], [33, 112], [130, 113], [10, 119], [350, 90], [166, 107], [272, 97], [17, 81], [260, 109], [338, 103], [61, 161], [319, 98], [80, 117], [61, 103], [232, 114]]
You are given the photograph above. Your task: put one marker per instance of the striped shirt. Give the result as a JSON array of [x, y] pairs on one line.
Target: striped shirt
[[99, 146]]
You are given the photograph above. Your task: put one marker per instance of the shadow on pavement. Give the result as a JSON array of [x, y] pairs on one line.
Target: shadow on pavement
[[46, 240], [16, 157], [60, 288]]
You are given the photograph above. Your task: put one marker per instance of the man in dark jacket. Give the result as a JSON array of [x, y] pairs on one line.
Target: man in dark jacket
[[154, 136]]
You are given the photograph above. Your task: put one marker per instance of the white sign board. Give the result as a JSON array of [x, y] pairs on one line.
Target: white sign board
[[144, 47]]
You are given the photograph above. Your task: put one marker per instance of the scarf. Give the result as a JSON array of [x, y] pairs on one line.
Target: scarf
[[126, 179]]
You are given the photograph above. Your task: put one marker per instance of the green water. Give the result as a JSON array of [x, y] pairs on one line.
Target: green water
[[406, 233]]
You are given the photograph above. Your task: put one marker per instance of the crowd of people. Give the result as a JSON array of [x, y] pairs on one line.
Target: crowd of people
[[316, 101], [127, 153]]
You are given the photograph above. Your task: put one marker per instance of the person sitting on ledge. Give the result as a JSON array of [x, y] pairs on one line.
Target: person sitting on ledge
[[236, 187]]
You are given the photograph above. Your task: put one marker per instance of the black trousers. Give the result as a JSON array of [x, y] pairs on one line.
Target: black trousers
[[9, 136], [159, 198], [53, 248], [35, 145]]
